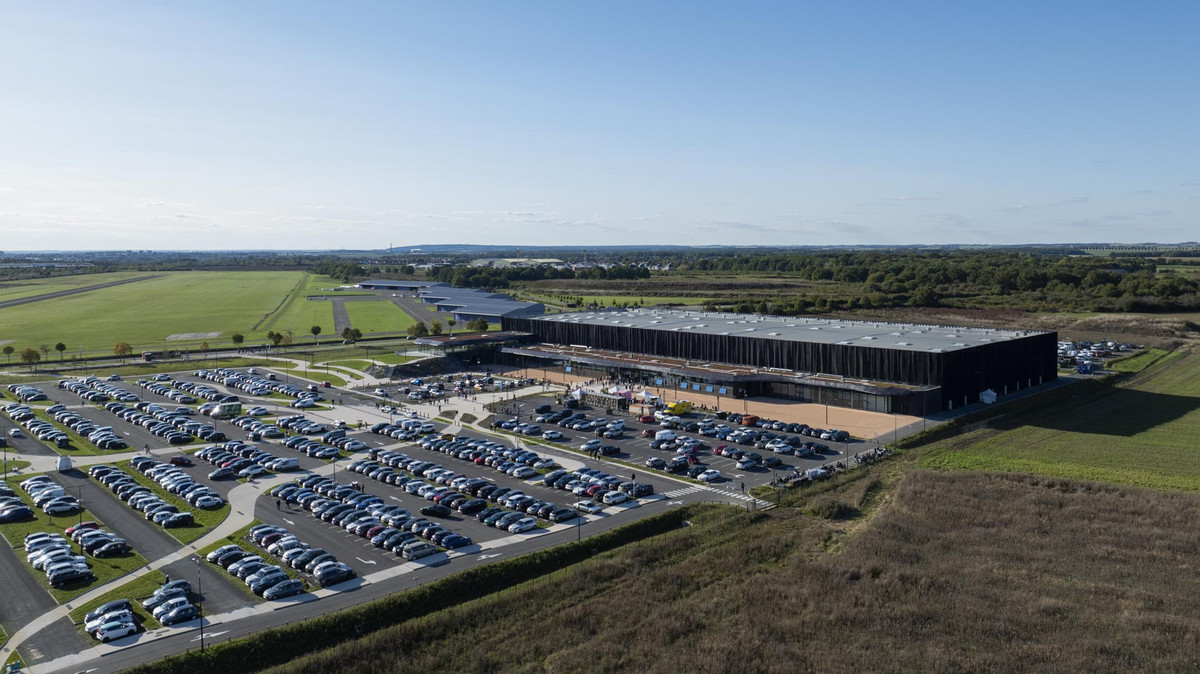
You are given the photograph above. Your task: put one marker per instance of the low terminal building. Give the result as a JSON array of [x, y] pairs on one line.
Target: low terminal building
[[884, 367], [399, 286]]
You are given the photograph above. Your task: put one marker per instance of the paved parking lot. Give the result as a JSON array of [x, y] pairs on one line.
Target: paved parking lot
[[376, 566], [635, 449]]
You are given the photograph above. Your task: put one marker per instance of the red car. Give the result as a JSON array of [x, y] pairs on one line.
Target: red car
[[648, 433], [720, 450], [646, 419], [181, 461], [81, 526]]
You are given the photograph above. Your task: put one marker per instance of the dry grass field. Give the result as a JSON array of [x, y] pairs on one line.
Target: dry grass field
[[961, 572]]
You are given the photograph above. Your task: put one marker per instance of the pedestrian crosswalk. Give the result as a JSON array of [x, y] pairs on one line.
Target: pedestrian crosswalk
[[682, 492]]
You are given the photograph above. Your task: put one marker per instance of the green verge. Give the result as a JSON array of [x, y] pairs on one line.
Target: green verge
[[105, 570], [1137, 429], [240, 538], [283, 644], [203, 520], [360, 365], [135, 590]]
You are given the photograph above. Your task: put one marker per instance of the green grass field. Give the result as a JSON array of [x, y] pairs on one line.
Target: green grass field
[[1143, 432], [13, 290], [381, 316], [105, 570], [145, 313], [360, 365]]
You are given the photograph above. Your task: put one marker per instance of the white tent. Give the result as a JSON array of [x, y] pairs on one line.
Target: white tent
[[987, 397]]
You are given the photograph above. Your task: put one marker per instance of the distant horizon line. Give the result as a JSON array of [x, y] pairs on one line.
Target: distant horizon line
[[457, 247]]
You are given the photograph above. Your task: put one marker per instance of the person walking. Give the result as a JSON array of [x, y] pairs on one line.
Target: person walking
[[278, 505]]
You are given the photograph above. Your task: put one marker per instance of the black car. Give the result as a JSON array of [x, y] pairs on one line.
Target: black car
[[230, 557], [436, 510], [472, 506]]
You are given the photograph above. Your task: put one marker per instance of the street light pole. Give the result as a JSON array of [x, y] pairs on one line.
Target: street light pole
[[199, 604]]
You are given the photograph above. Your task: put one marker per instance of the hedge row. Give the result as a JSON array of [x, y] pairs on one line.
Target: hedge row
[[283, 644]]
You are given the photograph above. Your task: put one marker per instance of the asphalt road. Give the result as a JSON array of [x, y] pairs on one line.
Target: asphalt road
[[341, 317], [24, 598]]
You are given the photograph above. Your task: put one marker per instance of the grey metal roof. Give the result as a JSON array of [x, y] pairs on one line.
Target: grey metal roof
[[900, 336], [402, 284], [498, 307]]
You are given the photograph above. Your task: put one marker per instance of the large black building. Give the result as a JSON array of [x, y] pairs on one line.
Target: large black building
[[880, 366]]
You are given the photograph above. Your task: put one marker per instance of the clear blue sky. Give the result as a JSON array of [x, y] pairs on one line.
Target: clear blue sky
[[354, 124]]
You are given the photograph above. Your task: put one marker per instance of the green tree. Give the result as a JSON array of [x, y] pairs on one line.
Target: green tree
[[315, 330], [238, 338], [45, 348], [355, 333], [418, 330], [204, 348], [451, 322], [60, 347], [123, 350], [8, 352], [346, 332], [435, 328], [31, 357], [925, 296]]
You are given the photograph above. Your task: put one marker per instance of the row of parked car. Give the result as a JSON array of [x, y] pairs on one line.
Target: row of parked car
[[49, 496], [271, 582], [175, 425], [51, 553], [144, 500], [453, 491], [27, 393], [97, 542], [387, 526], [323, 566], [12, 507], [597, 485], [37, 427], [170, 605], [251, 382], [235, 458], [404, 430], [95, 391], [255, 426]]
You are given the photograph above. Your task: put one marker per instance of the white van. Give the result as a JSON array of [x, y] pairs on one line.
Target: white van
[[665, 435], [64, 464]]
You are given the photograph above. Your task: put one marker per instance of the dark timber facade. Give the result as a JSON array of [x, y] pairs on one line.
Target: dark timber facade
[[885, 367]]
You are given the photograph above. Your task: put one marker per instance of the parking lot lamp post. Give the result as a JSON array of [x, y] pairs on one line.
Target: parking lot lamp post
[[199, 604], [578, 525], [80, 499]]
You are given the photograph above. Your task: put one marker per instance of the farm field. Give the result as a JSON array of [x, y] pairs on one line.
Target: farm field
[[1143, 433], [915, 588], [379, 316], [12, 290], [144, 314]]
